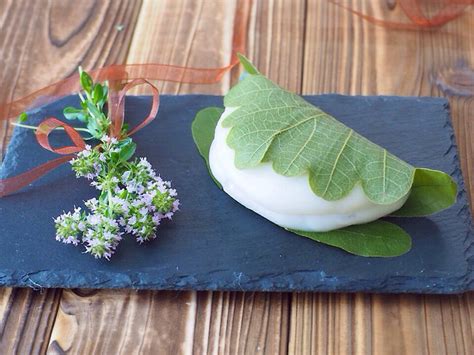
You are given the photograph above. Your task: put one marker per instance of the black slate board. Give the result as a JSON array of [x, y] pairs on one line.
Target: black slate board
[[215, 243]]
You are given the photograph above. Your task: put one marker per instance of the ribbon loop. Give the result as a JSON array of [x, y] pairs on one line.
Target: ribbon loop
[[14, 183], [50, 124], [117, 115]]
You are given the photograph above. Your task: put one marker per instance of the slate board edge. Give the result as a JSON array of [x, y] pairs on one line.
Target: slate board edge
[[276, 283], [465, 212]]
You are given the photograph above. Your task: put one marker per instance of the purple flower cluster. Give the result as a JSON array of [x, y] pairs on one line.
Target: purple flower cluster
[[133, 200]]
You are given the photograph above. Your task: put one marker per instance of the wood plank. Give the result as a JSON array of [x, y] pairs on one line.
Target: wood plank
[[141, 322], [346, 54], [127, 322], [26, 320], [184, 32], [42, 42]]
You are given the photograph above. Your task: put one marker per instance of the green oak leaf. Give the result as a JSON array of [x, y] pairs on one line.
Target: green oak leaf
[[203, 128], [374, 239], [274, 125], [432, 191], [247, 65], [271, 124]]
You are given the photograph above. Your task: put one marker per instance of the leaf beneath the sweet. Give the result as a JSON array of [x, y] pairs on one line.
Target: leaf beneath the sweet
[[375, 239], [203, 128], [432, 191]]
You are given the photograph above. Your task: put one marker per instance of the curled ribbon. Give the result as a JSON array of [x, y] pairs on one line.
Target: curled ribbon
[[450, 9], [134, 74], [12, 184], [9, 185]]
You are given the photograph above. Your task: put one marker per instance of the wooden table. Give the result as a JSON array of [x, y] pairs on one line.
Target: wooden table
[[306, 46]]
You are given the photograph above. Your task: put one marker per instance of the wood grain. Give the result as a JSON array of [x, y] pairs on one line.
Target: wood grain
[[308, 46], [26, 320], [185, 322], [41, 42], [185, 33], [346, 54], [144, 322]]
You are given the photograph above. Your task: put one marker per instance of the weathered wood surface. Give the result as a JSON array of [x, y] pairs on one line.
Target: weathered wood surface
[[309, 46]]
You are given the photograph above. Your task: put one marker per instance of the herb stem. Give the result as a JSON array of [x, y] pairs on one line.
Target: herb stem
[[36, 127]]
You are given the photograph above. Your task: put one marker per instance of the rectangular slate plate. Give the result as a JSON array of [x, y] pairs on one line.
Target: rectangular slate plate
[[214, 243]]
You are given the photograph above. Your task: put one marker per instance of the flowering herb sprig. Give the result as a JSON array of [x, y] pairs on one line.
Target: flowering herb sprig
[[133, 199]]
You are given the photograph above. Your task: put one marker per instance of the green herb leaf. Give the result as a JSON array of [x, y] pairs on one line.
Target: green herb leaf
[[94, 129], [375, 239], [127, 150], [72, 113], [23, 117], [274, 125], [86, 80], [432, 191], [203, 128], [98, 93], [105, 96], [93, 109]]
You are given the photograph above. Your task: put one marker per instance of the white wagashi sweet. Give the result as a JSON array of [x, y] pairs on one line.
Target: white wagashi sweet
[[288, 201]]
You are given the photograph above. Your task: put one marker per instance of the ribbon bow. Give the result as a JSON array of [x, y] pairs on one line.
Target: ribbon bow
[[116, 113]]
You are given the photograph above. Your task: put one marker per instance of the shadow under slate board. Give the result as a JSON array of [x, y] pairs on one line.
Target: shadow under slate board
[[214, 243]]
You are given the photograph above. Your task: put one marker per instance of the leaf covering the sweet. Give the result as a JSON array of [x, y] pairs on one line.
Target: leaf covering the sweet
[[432, 191], [375, 239], [273, 125], [247, 65], [203, 128]]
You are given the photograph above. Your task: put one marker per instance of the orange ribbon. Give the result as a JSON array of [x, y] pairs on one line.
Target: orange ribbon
[[450, 10], [135, 74], [12, 184]]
